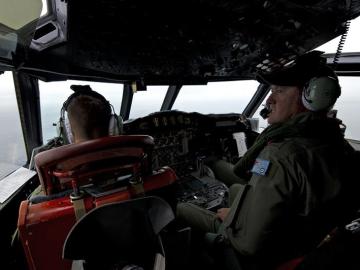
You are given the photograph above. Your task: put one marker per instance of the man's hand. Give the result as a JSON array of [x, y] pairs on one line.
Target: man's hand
[[222, 213]]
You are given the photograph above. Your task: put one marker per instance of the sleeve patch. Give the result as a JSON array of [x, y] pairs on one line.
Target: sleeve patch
[[261, 166]]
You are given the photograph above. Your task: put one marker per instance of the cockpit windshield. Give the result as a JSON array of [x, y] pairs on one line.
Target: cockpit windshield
[[216, 97]]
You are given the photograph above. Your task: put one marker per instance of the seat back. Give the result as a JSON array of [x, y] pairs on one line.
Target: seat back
[[91, 161], [121, 233], [44, 224]]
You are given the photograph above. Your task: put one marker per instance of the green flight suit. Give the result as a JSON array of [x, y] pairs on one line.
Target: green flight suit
[[292, 203]]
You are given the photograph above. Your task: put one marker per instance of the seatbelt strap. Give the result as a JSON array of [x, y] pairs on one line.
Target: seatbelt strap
[[79, 208], [77, 199], [137, 183], [138, 188]]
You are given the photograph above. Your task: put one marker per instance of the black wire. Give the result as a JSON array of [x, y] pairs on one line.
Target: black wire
[[341, 45], [342, 40]]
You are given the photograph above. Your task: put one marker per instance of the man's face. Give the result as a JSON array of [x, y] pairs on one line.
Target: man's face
[[284, 102]]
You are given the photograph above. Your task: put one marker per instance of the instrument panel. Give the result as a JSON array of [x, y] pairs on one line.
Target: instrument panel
[[182, 139], [186, 142]]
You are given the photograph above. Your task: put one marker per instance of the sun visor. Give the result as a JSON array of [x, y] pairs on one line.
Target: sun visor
[[18, 20]]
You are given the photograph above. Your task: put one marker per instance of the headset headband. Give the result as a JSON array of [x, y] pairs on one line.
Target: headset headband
[[83, 90]]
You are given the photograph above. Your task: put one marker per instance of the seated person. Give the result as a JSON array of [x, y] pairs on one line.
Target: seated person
[[295, 188], [89, 115]]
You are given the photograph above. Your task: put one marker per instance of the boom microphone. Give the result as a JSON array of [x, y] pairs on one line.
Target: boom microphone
[[264, 113]]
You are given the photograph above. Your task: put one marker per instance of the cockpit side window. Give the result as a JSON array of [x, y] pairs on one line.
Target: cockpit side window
[[347, 106], [12, 147]]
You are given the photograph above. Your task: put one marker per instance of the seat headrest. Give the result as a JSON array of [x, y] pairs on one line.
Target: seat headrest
[[103, 154]]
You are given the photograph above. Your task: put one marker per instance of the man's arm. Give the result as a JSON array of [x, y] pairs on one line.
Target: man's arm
[[262, 212]]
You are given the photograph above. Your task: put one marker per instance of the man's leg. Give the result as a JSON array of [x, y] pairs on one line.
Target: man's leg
[[201, 221], [233, 191], [197, 218]]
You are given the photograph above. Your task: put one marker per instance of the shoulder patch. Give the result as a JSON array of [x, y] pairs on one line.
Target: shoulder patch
[[261, 166]]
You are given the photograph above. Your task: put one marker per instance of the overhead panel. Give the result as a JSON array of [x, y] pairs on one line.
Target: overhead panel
[[181, 42]]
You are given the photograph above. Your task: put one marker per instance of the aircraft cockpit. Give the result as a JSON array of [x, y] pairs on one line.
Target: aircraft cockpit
[[183, 80]]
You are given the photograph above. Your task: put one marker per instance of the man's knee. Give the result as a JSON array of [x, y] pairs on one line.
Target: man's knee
[[196, 217], [184, 211]]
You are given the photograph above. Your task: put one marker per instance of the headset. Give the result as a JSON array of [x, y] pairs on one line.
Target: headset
[[320, 85], [320, 93], [63, 126]]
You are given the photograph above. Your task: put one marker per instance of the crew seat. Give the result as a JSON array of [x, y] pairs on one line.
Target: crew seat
[[77, 178]]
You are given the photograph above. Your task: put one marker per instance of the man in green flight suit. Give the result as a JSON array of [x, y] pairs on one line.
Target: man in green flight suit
[[294, 187]]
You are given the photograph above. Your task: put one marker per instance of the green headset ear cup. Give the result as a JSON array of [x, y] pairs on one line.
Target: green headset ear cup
[[64, 130], [68, 132], [320, 93]]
